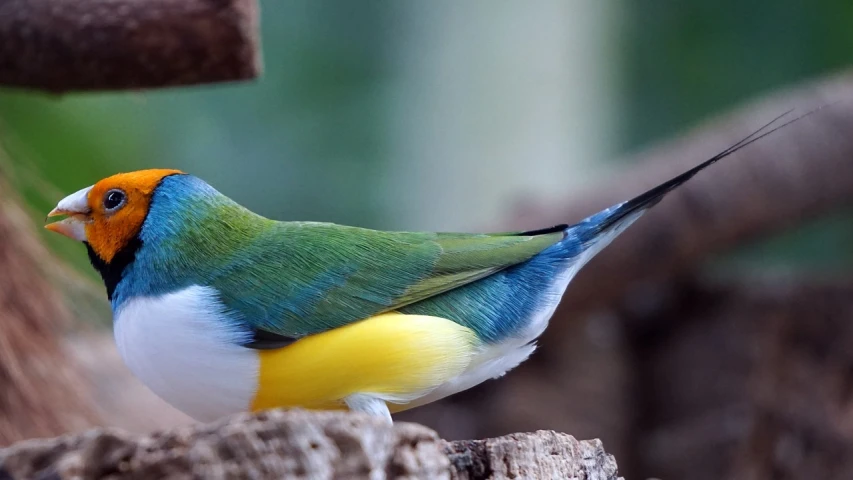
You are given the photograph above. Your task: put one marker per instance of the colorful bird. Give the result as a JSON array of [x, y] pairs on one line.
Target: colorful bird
[[219, 310]]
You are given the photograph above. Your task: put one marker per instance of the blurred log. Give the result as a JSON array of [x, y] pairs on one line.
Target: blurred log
[[298, 444], [754, 381], [42, 393], [62, 45], [797, 174]]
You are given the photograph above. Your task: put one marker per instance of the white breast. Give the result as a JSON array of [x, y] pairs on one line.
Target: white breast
[[185, 350]]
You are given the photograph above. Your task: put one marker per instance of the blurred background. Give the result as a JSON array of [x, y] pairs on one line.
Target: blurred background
[[443, 115]]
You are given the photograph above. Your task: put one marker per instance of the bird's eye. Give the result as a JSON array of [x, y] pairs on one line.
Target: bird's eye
[[114, 199]]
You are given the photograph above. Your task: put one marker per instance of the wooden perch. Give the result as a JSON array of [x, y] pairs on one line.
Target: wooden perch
[[64, 45], [297, 444]]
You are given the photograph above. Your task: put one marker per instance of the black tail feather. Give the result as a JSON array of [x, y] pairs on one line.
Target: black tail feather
[[612, 216], [543, 231]]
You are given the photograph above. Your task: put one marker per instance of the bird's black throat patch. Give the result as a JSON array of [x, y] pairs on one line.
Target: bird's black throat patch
[[111, 272]]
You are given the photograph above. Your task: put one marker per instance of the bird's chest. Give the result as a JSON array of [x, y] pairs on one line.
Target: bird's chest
[[182, 347]]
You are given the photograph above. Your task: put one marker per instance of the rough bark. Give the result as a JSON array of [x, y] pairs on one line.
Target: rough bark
[[296, 444], [42, 392], [62, 45]]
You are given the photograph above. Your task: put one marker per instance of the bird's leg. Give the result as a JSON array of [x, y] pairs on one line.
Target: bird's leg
[[361, 402]]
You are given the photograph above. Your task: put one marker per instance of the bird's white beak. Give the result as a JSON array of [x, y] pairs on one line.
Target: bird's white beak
[[76, 206]]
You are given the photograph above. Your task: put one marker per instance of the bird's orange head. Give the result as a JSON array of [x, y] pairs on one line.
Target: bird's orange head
[[109, 214]]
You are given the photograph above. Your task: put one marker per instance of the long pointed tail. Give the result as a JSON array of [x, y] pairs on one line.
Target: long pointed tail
[[598, 230]]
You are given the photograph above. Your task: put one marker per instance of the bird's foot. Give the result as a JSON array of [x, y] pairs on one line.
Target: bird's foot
[[362, 402]]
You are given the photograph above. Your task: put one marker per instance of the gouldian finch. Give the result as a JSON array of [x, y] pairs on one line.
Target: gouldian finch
[[219, 310]]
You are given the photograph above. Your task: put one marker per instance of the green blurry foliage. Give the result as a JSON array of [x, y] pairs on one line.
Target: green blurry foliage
[[688, 60], [302, 142], [307, 140]]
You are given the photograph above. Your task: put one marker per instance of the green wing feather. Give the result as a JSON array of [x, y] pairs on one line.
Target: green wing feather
[[300, 278]]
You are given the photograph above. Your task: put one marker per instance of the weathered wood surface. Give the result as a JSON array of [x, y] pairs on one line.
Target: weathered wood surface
[[304, 445]]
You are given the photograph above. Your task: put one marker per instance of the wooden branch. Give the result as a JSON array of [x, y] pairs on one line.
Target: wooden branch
[[67, 45], [297, 444], [797, 174]]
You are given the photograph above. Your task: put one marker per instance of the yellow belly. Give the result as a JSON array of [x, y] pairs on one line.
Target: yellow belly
[[394, 356]]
